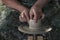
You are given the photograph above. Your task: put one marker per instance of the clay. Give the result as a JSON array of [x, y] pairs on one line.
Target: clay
[[34, 25]]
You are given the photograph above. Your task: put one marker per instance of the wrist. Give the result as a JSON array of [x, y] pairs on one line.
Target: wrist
[[38, 5], [22, 8], [36, 8]]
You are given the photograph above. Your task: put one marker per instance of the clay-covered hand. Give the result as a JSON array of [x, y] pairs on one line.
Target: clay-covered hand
[[24, 16], [36, 13]]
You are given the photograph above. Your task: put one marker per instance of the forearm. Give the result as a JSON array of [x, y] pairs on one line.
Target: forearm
[[40, 3], [14, 4]]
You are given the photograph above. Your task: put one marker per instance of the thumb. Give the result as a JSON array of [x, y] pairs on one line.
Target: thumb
[[43, 15]]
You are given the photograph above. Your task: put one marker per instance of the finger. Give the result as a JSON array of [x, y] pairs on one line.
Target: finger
[[43, 15], [31, 15], [35, 16], [25, 19], [22, 19], [23, 16], [26, 15]]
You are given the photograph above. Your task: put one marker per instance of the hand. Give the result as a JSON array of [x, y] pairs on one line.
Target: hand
[[36, 13], [24, 16]]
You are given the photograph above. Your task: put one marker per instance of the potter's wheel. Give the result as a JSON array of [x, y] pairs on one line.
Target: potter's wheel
[[34, 28], [26, 29]]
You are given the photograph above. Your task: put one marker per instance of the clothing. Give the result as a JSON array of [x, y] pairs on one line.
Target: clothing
[[9, 21]]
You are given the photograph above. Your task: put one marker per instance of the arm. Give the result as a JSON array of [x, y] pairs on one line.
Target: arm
[[40, 3], [36, 10], [14, 4]]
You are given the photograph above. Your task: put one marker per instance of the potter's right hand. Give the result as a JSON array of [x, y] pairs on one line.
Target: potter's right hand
[[24, 16], [36, 13]]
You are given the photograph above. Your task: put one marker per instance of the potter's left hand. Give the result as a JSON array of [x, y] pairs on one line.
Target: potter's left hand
[[36, 13]]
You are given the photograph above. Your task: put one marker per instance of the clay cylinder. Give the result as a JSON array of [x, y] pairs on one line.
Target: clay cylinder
[[34, 25]]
